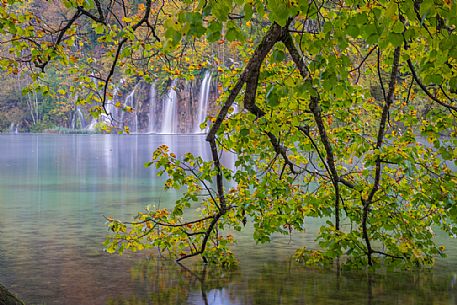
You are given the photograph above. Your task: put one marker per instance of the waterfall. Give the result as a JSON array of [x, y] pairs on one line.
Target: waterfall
[[92, 124], [170, 110], [93, 121], [78, 116], [152, 116], [203, 103], [82, 119], [109, 117], [115, 115], [14, 128], [111, 109], [130, 101], [73, 121]]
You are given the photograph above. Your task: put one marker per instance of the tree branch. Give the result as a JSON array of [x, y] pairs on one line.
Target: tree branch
[[389, 99], [424, 88]]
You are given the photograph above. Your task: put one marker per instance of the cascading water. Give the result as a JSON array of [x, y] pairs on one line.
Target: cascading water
[[111, 109], [78, 117], [153, 116], [14, 128], [117, 116], [170, 110], [151, 112], [92, 124], [203, 103], [130, 101]]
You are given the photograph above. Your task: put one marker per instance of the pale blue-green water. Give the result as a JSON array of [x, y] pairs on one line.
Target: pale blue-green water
[[55, 189]]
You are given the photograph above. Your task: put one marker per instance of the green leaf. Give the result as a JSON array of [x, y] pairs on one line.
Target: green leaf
[[398, 27], [278, 55], [233, 33], [214, 31], [99, 28], [353, 30], [395, 39], [272, 97], [244, 132]]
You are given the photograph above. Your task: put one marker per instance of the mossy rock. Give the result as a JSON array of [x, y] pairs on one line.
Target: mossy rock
[[7, 298]]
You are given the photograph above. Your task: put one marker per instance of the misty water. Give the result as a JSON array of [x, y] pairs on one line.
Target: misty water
[[55, 190]]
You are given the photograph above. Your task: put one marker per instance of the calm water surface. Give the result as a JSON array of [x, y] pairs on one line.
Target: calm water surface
[[55, 189]]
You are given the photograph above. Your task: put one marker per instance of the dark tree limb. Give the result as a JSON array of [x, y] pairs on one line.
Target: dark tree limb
[[381, 82], [100, 10], [366, 202], [281, 150], [41, 63], [249, 77], [387, 254], [7, 298], [143, 20], [317, 114], [359, 66], [411, 67], [99, 19], [382, 125], [207, 234], [426, 91]]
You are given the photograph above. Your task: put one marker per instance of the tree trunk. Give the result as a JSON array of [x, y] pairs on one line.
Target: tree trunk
[[7, 298]]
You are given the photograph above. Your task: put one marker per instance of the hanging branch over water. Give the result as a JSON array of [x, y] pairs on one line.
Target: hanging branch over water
[[249, 77], [325, 139], [367, 202], [315, 109]]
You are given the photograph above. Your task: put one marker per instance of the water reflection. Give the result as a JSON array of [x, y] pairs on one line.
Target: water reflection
[[284, 283]]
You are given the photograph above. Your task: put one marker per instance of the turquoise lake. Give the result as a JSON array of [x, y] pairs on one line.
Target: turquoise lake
[[56, 189]]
